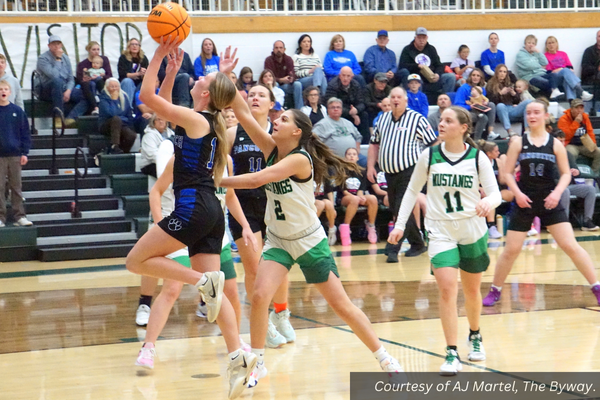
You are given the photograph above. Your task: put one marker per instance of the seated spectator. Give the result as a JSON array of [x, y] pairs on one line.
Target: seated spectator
[[230, 118], [579, 134], [155, 133], [443, 102], [461, 65], [142, 112], [208, 60], [15, 141], [417, 100], [509, 106], [268, 79], [352, 195], [350, 93], [522, 89], [581, 191], [324, 202], [132, 68], [419, 57], [15, 96], [282, 67], [492, 57], [375, 92], [336, 132], [275, 112], [184, 81], [338, 57], [90, 84], [313, 108], [480, 119], [531, 66], [590, 63], [477, 97], [379, 59], [246, 80], [57, 83], [561, 69], [386, 105], [308, 66], [234, 79], [115, 119], [380, 187]]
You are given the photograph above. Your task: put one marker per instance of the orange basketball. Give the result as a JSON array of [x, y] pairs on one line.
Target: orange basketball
[[169, 19]]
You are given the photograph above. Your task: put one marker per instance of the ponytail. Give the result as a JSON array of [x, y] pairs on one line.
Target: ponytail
[[222, 93], [326, 165], [486, 146]]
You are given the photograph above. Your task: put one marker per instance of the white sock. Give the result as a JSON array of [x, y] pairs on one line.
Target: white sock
[[260, 355], [370, 225], [202, 280], [498, 288], [595, 284], [381, 354], [234, 354], [332, 228]]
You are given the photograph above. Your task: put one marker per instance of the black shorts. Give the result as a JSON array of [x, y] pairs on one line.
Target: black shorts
[[197, 221], [322, 197], [522, 218], [254, 209]]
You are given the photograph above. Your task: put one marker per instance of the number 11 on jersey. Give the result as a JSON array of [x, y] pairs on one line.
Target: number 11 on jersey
[[449, 208]]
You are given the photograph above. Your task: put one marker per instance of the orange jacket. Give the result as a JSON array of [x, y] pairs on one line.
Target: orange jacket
[[569, 126]]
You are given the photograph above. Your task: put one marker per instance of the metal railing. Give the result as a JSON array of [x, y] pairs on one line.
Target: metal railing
[[241, 7], [57, 115], [75, 211]]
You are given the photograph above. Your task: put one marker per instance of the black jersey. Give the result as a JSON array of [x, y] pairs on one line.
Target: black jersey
[[194, 158], [247, 158], [537, 168]]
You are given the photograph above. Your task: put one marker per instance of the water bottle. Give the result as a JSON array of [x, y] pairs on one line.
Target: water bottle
[[500, 224]]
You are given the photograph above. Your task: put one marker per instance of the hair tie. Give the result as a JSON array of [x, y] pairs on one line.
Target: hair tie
[[217, 110]]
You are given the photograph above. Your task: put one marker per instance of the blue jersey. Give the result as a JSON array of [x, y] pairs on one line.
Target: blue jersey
[[537, 168], [247, 158]]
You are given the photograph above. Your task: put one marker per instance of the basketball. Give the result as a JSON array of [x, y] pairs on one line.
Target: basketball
[[169, 19]]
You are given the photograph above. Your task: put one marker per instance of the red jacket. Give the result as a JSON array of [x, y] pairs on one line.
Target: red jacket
[[281, 69], [570, 126]]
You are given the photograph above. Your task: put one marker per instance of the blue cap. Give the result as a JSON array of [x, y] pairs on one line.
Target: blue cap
[[382, 32], [277, 106]]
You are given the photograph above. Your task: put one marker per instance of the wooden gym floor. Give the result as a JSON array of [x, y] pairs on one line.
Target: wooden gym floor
[[67, 329]]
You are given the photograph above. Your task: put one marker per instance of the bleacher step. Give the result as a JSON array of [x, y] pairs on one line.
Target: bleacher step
[[110, 250], [62, 183], [62, 171], [75, 227], [48, 131], [96, 238], [64, 205], [44, 194], [67, 215], [69, 151]]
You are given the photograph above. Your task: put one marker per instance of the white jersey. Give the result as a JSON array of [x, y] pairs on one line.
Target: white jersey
[[291, 211]]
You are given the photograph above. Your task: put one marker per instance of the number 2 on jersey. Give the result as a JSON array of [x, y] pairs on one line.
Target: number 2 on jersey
[[449, 208], [278, 211]]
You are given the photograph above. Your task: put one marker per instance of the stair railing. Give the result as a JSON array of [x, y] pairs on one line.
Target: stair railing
[[56, 113], [75, 211], [34, 95]]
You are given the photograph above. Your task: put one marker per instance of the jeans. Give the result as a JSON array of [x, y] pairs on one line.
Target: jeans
[[585, 192], [508, 114], [294, 88], [401, 77], [544, 83], [53, 91], [483, 120], [81, 104], [569, 81], [129, 87], [89, 89], [316, 79], [576, 150]]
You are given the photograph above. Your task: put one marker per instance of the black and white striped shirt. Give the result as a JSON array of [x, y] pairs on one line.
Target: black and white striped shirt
[[400, 141]]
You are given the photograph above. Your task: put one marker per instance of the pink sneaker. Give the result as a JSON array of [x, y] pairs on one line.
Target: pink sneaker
[[345, 235], [146, 356], [371, 233], [245, 346], [492, 297], [596, 291]]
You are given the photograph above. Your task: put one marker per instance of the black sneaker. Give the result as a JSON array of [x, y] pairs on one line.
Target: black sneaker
[[415, 251], [589, 225], [392, 257], [115, 149]]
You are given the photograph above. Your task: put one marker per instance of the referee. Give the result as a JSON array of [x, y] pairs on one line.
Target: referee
[[396, 143]]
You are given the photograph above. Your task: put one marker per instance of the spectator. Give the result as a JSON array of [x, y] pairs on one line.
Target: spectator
[[15, 141], [385, 107], [208, 60], [590, 63], [443, 102], [267, 78], [230, 118], [91, 86], [480, 118], [15, 88], [417, 100], [419, 57], [579, 134], [246, 80], [522, 89], [308, 66], [282, 66], [375, 92], [132, 68], [115, 119], [313, 108], [184, 81], [492, 57], [531, 66], [336, 132], [350, 93], [275, 112], [378, 58], [339, 57], [461, 65], [155, 133], [57, 83], [581, 191], [509, 106], [561, 69], [142, 112], [324, 202]]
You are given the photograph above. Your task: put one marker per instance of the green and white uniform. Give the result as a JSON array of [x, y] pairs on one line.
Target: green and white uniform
[[226, 258], [294, 233], [457, 236]]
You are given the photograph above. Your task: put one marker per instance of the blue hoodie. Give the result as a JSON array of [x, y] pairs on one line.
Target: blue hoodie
[[212, 65], [14, 135], [462, 95], [112, 108], [334, 61], [418, 102]]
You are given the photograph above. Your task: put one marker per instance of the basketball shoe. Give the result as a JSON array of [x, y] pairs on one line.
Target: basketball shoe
[[259, 372], [476, 349], [282, 323], [274, 338], [451, 365], [212, 293], [239, 371], [146, 356]]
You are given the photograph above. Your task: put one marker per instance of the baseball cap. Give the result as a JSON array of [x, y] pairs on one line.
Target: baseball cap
[[414, 77], [576, 103], [277, 106], [382, 32], [54, 38], [421, 31], [381, 77]]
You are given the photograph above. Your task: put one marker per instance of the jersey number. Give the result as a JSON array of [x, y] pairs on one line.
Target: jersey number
[[213, 146], [253, 167], [278, 212], [536, 170], [449, 208]]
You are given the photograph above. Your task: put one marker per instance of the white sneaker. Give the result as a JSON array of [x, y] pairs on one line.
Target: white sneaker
[[202, 309], [451, 365], [493, 135], [2, 224], [332, 236], [532, 231], [282, 323], [274, 338], [23, 222], [493, 232], [239, 371], [142, 315], [146, 356], [260, 371], [556, 93], [476, 349], [390, 364], [586, 96], [212, 292]]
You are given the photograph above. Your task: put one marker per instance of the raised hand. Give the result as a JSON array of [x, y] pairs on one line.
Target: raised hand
[[228, 61], [175, 59], [167, 45]]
